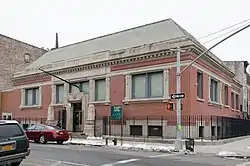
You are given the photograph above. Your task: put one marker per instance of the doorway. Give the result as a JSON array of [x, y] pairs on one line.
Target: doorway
[[77, 117], [62, 117]]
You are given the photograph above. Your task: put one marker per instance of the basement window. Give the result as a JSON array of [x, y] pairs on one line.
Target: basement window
[[135, 130]]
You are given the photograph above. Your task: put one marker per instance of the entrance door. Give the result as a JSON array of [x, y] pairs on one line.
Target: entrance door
[[77, 117], [62, 118]]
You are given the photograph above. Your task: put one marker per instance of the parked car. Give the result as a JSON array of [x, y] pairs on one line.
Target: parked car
[[14, 144], [44, 133]]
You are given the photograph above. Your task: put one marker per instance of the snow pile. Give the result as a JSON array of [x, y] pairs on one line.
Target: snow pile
[[248, 148], [94, 138], [93, 142], [227, 154], [126, 146], [145, 147]]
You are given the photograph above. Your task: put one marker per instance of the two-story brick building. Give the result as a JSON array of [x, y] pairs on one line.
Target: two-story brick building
[[15, 56], [135, 69]]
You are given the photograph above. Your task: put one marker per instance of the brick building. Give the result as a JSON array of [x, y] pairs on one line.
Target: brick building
[[15, 56], [135, 69]]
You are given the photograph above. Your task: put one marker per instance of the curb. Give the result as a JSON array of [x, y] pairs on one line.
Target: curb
[[128, 149], [236, 156], [86, 144]]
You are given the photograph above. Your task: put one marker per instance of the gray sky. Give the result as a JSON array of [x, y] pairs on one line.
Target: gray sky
[[36, 22]]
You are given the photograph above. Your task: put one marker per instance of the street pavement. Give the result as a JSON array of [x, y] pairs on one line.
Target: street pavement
[[74, 155]]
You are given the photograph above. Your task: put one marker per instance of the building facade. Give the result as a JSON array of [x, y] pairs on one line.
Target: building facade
[[134, 69], [240, 69], [15, 56]]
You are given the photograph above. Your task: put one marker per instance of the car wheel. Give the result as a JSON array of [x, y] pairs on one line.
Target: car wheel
[[16, 164], [42, 139], [59, 142]]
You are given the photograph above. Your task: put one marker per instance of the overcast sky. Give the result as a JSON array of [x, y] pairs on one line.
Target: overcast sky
[[36, 22]]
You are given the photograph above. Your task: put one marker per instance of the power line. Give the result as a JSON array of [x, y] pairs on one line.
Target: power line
[[224, 34], [224, 29], [221, 41]]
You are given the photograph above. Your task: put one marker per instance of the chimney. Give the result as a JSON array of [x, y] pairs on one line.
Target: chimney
[[57, 45]]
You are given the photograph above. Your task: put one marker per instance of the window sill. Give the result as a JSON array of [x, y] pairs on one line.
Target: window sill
[[58, 104], [146, 100], [106, 102], [213, 103], [30, 106], [200, 100]]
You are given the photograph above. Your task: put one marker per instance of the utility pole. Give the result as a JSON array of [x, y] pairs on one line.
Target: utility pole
[[178, 142]]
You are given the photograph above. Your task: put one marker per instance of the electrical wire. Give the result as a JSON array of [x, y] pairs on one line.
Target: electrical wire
[[221, 41], [225, 34], [224, 29]]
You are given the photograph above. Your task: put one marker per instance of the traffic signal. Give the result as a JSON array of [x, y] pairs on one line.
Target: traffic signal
[[170, 106]]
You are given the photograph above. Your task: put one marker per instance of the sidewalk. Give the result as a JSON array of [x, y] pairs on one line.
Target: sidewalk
[[237, 148], [240, 147]]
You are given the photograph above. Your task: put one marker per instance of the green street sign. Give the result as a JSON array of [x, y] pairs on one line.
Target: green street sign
[[116, 112]]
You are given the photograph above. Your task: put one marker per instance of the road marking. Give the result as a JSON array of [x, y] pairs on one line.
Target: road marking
[[162, 155], [244, 164], [121, 162], [126, 161]]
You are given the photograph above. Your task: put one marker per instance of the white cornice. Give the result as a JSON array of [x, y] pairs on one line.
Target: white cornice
[[126, 60]]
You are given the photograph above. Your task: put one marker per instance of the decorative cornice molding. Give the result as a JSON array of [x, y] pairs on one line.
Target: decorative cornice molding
[[126, 60], [208, 58]]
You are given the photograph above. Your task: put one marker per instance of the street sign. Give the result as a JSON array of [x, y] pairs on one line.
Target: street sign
[[116, 112], [177, 96]]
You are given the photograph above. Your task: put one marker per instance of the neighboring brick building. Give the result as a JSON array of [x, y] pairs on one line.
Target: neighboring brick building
[[135, 69], [240, 70], [15, 56]]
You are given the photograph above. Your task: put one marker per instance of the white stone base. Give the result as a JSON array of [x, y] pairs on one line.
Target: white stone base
[[89, 128]]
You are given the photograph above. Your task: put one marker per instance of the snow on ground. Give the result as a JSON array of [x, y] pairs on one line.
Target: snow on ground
[[126, 145], [239, 147], [145, 147], [89, 141], [227, 154]]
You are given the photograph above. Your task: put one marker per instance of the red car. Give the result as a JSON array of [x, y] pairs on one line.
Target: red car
[[43, 133]]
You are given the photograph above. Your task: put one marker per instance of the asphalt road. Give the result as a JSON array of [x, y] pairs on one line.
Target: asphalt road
[[68, 155]]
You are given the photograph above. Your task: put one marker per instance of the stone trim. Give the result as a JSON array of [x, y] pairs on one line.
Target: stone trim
[[107, 98], [23, 106], [219, 95], [160, 54], [91, 90], [128, 85]]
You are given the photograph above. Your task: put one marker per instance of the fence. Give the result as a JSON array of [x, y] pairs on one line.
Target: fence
[[192, 126], [28, 121]]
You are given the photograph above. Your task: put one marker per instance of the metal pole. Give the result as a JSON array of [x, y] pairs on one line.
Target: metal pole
[[51, 74], [178, 142]]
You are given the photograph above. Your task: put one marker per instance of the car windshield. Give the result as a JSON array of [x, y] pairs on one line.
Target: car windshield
[[53, 127], [10, 130]]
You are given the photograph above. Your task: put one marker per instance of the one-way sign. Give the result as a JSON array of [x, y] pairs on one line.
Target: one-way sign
[[177, 96]]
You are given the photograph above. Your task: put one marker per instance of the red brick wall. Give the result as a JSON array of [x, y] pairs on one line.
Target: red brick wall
[[203, 108], [188, 85], [12, 99]]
